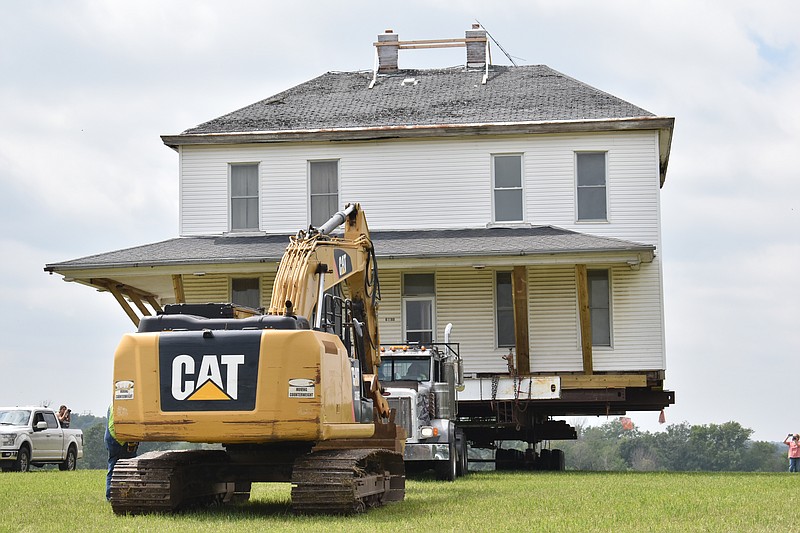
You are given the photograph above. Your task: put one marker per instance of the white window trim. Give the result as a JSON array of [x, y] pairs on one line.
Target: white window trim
[[421, 298], [432, 300], [230, 198], [610, 346], [308, 182], [494, 307], [578, 220], [494, 221]]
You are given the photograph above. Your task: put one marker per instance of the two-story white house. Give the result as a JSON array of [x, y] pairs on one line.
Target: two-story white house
[[515, 202]]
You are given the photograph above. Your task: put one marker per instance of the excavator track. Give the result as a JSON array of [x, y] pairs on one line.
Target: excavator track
[[346, 481], [169, 480]]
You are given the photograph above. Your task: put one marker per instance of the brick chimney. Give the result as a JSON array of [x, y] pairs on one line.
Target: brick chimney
[[387, 54], [476, 51]]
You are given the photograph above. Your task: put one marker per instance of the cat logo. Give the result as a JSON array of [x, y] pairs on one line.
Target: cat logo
[[206, 383], [344, 265], [213, 373]]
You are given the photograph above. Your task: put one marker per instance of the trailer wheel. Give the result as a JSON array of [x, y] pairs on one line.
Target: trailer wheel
[[71, 461], [557, 460], [448, 470]]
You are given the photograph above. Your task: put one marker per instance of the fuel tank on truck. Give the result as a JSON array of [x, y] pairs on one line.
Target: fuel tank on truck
[[254, 380]]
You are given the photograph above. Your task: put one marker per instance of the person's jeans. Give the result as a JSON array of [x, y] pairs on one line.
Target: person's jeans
[[794, 463], [116, 451]]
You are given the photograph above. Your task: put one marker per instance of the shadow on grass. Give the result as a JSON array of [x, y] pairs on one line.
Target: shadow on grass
[[252, 508]]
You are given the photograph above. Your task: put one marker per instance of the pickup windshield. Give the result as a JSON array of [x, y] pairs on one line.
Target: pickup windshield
[[405, 369], [14, 417]]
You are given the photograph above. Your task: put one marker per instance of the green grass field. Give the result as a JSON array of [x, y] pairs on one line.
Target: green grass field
[[51, 500]]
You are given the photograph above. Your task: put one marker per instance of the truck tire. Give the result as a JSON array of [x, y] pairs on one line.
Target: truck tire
[[71, 460], [448, 470], [23, 462], [463, 460]]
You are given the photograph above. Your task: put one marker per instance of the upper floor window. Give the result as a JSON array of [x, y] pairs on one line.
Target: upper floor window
[[504, 309], [246, 292], [599, 307], [591, 179], [244, 197], [507, 177], [419, 294], [324, 186]]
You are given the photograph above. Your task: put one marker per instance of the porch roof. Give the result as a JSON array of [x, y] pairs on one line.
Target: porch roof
[[418, 244]]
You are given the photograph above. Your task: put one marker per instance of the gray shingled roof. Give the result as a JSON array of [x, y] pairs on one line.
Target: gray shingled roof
[[454, 96], [388, 244]]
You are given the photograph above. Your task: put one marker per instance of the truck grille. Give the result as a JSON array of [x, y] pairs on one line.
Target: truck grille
[[404, 413]]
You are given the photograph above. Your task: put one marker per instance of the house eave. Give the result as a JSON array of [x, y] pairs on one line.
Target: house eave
[[364, 133]]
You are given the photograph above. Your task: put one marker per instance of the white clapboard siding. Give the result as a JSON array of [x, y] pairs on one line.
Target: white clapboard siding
[[207, 288], [464, 297], [390, 325], [554, 337], [215, 288], [425, 184], [638, 334]]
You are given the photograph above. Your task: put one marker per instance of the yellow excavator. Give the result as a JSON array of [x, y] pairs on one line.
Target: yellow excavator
[[292, 395]]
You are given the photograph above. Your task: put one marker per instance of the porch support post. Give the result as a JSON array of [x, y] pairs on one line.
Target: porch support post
[[177, 285], [585, 317], [519, 284]]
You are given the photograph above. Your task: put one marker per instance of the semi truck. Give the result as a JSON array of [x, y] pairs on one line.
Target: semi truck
[[443, 419]]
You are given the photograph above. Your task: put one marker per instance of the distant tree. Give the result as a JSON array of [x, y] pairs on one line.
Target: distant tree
[[717, 447], [597, 448], [85, 421], [763, 456], [681, 447], [94, 448]]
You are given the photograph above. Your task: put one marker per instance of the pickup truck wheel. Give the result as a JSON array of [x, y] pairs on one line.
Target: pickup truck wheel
[[71, 460], [23, 462]]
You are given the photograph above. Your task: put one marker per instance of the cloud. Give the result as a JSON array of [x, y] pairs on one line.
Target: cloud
[[88, 86]]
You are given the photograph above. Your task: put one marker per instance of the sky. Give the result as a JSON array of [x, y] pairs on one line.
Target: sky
[[87, 87]]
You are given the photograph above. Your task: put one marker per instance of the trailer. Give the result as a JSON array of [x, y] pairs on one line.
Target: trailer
[[508, 420]]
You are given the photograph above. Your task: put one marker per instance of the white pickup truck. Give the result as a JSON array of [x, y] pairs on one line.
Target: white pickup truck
[[34, 436]]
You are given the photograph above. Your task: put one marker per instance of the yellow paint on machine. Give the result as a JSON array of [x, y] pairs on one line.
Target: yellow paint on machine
[[284, 355]]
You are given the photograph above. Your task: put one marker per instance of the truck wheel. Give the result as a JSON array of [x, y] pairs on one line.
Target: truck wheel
[[23, 462], [447, 470], [463, 459], [71, 461]]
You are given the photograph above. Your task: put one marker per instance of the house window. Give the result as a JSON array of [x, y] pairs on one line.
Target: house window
[[246, 292], [418, 307], [244, 197], [600, 307], [504, 309], [324, 185], [591, 185], [507, 170]]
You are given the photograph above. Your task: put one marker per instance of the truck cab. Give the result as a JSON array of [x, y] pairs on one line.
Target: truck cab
[[421, 384]]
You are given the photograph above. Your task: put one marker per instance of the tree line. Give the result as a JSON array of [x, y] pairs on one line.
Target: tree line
[[681, 447], [95, 455]]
